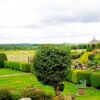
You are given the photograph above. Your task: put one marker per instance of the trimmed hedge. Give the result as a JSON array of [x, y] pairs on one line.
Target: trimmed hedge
[[95, 80], [12, 65], [69, 75], [92, 78], [3, 58], [25, 67], [84, 75]]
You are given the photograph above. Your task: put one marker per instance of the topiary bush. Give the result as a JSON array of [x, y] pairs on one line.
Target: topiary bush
[[95, 80], [3, 58], [25, 67], [84, 75], [5, 94], [51, 64]]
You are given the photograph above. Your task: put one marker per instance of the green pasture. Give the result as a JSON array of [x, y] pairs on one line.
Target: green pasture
[[19, 55], [18, 83]]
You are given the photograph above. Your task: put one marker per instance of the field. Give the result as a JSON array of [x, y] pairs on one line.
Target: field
[[20, 56], [18, 83]]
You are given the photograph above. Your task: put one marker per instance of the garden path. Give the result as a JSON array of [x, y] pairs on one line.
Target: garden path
[[14, 75]]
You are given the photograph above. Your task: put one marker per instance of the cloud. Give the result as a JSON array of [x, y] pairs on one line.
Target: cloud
[[49, 21]]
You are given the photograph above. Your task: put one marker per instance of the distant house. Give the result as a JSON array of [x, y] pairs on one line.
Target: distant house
[[94, 41]]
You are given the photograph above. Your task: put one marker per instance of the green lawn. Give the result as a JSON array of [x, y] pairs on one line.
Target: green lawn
[[28, 80], [5, 71]]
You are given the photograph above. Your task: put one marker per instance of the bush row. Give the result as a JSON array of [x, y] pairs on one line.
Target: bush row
[[25, 67], [92, 78], [33, 93]]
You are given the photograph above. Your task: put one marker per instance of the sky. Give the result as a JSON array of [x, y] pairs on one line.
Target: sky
[[49, 21]]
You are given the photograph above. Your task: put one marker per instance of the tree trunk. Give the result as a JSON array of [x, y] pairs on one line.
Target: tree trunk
[[57, 91]]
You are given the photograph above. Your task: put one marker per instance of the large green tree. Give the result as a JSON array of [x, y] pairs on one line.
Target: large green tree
[[51, 64]]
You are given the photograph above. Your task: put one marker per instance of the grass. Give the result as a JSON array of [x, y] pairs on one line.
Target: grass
[[5, 71], [20, 56], [18, 83]]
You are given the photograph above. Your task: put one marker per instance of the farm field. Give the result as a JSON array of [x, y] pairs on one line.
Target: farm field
[[19, 55], [18, 83]]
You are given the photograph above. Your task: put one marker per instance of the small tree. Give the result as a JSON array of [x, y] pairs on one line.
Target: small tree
[[50, 64]]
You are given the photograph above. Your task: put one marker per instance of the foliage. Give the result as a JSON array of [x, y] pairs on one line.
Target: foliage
[[91, 57], [84, 58], [84, 75], [69, 75], [5, 94], [36, 94], [74, 76], [95, 80], [3, 58], [25, 67], [51, 64], [90, 47], [12, 65], [76, 54], [97, 59]]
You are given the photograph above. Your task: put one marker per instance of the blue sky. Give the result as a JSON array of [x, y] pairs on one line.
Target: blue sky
[[49, 21]]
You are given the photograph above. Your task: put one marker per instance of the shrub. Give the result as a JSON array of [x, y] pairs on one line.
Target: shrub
[[5, 94], [97, 59], [3, 58], [76, 55], [74, 76], [69, 75], [25, 67], [16, 95], [95, 80], [84, 75], [91, 57], [84, 58], [12, 65], [36, 94], [51, 64]]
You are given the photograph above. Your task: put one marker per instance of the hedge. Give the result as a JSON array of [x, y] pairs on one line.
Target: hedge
[[3, 58], [25, 67], [95, 80], [84, 75], [74, 76], [69, 75], [92, 78]]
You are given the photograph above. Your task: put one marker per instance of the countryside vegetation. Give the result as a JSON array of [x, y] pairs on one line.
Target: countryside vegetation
[[50, 71]]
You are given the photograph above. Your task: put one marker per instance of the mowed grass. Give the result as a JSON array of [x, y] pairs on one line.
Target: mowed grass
[[19, 55], [6, 71], [18, 83]]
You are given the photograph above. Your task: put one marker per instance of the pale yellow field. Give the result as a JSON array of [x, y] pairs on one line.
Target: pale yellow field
[[20, 56]]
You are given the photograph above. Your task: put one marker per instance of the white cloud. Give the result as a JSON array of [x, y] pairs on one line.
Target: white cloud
[[49, 21]]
